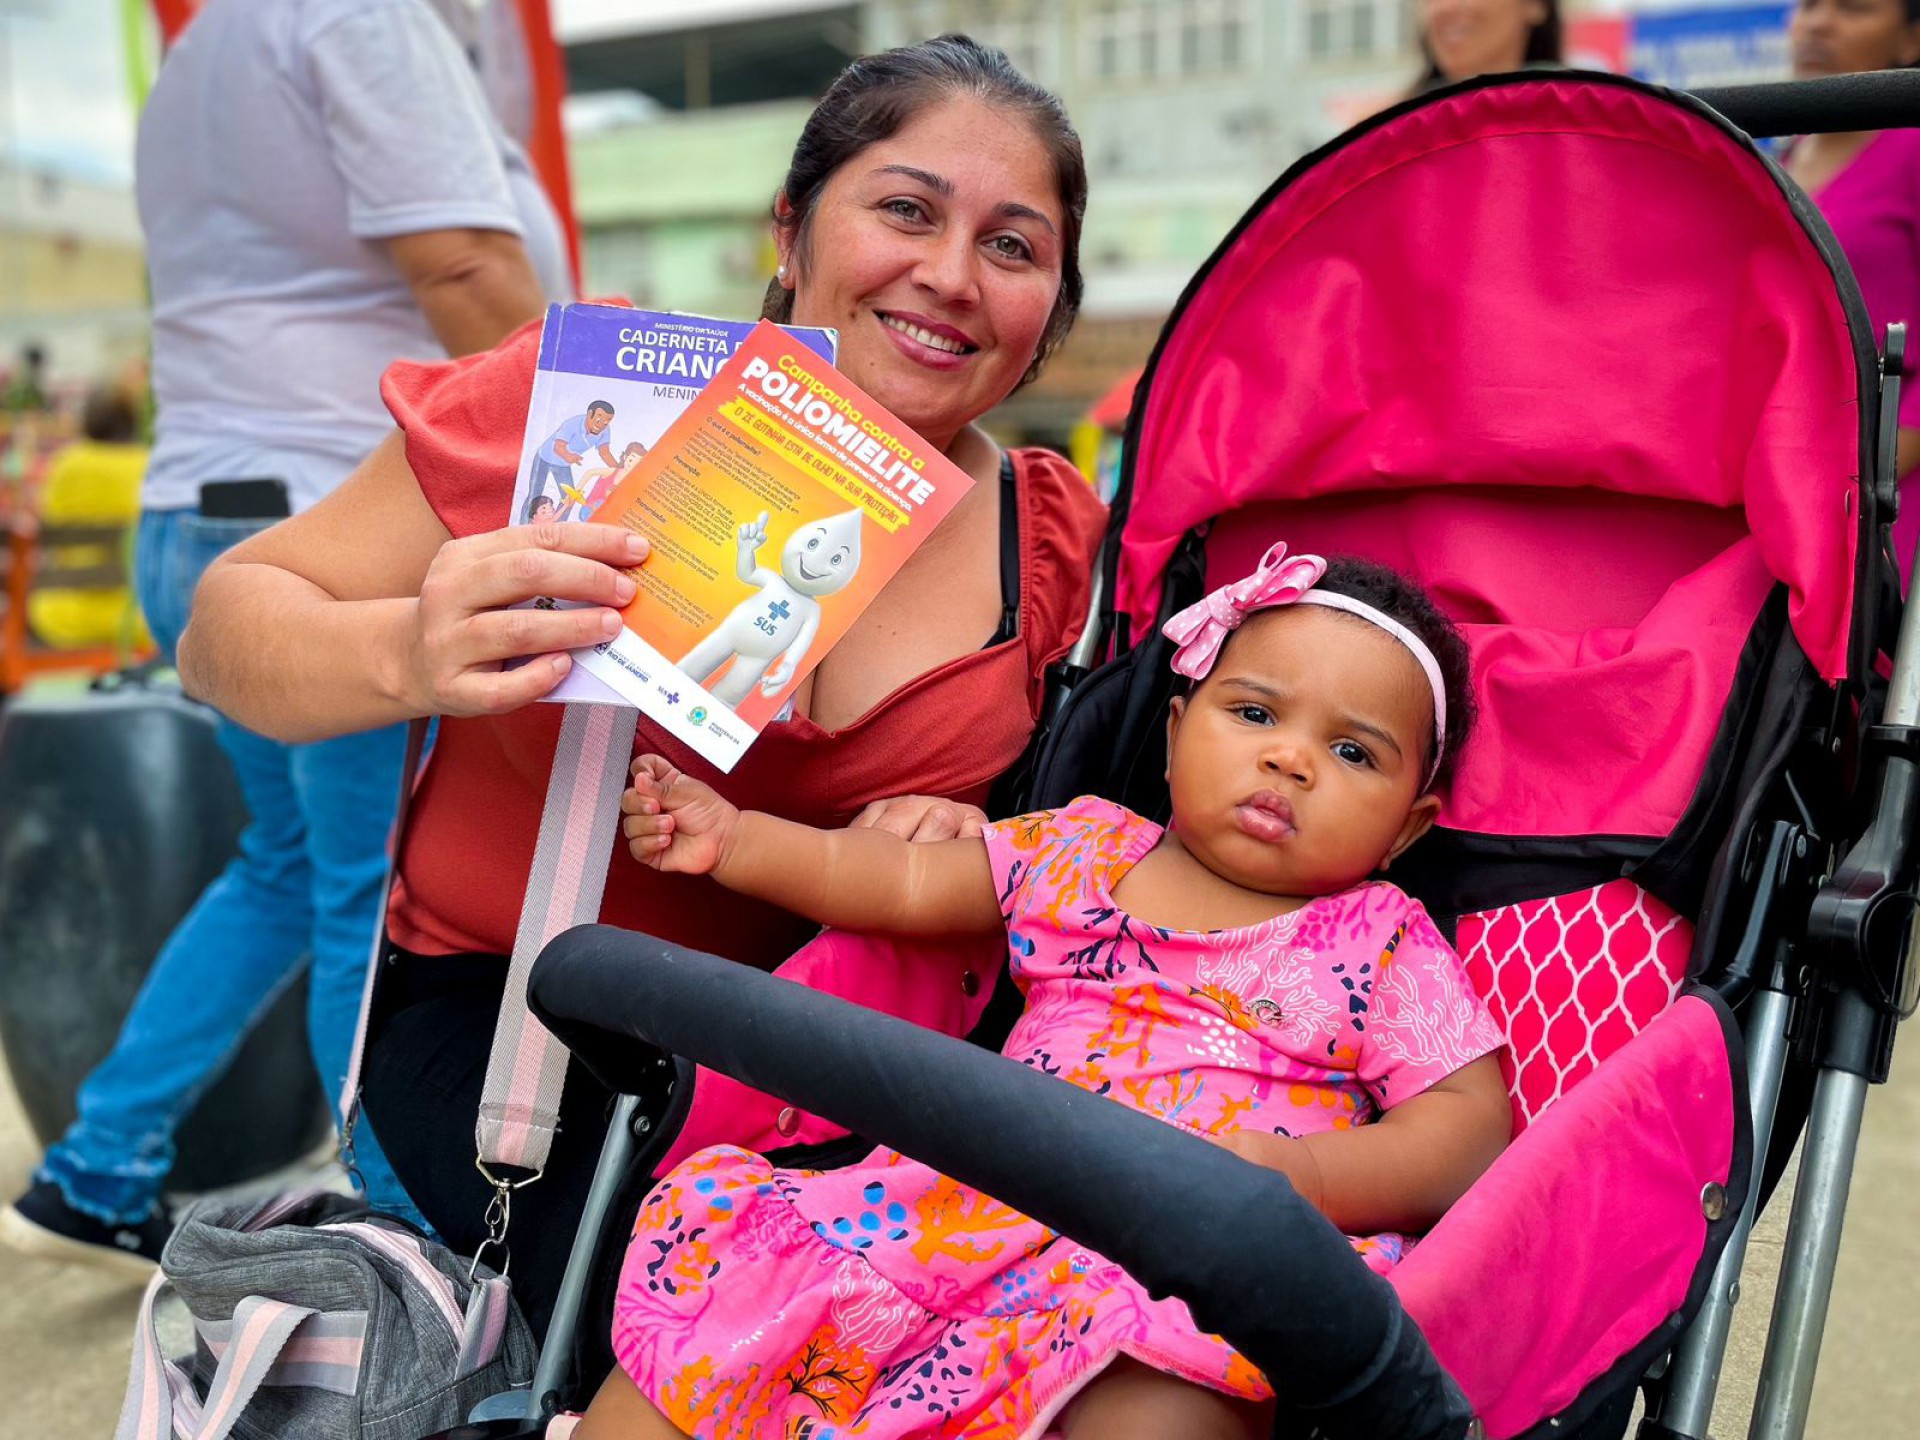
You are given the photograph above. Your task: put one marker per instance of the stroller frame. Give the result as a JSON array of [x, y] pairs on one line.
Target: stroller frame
[[1833, 1001], [1865, 985], [1854, 1032]]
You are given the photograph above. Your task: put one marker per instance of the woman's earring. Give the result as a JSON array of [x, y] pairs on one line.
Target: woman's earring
[[781, 273]]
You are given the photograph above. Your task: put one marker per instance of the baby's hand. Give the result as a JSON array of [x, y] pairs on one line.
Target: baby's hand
[[673, 822]]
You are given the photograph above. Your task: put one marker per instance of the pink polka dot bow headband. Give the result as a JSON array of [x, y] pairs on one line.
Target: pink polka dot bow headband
[[1202, 628]]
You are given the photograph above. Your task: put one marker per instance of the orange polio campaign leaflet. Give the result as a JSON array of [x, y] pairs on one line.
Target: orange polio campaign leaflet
[[777, 505]]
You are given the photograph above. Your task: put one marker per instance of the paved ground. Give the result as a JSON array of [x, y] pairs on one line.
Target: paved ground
[[65, 1333]]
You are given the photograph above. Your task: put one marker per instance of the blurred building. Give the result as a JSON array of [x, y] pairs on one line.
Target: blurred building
[[72, 273], [681, 119]]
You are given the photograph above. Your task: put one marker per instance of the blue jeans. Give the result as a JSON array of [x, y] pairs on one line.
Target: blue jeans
[[307, 882]]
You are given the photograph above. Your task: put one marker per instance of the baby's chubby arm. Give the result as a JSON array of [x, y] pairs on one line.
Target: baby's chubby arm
[[1404, 1171], [861, 879]]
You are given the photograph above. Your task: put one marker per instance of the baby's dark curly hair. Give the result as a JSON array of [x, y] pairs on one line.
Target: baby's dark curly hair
[[1399, 598]]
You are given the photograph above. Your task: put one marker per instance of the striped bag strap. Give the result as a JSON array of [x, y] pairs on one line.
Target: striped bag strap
[[161, 1403], [520, 1105], [479, 1326], [277, 1343], [526, 1068]]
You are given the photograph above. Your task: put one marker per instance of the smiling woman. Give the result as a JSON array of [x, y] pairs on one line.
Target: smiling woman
[[932, 216], [1464, 38], [960, 188]]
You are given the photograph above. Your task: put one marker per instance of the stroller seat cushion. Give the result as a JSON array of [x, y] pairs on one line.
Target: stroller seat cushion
[[753, 1295], [1571, 979], [1602, 1200]]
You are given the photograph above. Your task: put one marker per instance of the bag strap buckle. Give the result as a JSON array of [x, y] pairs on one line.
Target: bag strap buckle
[[499, 1215]]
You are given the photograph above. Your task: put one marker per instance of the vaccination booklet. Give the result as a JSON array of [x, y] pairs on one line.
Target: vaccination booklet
[[777, 504], [609, 381]]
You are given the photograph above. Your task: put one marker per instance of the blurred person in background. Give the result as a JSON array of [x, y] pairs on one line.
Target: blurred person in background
[[1867, 184], [324, 191], [95, 482], [1460, 39], [27, 389]]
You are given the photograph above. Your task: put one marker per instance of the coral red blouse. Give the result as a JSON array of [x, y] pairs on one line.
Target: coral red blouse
[[476, 814]]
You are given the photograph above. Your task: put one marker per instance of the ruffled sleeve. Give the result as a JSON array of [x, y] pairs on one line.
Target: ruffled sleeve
[[1016, 851], [1038, 858], [463, 421], [1061, 524], [1424, 1021]]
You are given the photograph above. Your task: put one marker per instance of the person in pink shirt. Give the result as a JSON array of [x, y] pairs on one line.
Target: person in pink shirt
[[1867, 184]]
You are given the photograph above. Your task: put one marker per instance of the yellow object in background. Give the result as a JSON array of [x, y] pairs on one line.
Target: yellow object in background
[[1083, 448], [90, 482]]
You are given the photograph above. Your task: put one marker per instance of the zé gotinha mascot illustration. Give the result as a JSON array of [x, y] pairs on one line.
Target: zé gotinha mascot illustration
[[783, 618]]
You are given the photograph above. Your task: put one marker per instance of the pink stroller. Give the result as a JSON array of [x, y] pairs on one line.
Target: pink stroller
[[1572, 353]]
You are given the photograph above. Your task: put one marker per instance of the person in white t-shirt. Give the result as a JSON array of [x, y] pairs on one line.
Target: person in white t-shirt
[[324, 191]]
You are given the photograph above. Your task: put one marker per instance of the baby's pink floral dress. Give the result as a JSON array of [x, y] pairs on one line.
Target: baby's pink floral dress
[[886, 1300]]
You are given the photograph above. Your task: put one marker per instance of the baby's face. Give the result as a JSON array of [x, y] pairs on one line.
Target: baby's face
[[1297, 766]]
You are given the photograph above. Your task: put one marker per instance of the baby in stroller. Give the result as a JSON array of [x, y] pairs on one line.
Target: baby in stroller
[[1239, 974]]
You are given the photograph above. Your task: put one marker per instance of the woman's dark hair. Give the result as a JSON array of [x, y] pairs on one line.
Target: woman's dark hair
[[1399, 598], [1546, 45], [878, 95]]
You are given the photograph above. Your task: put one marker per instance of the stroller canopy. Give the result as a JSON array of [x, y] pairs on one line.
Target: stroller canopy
[[1567, 352]]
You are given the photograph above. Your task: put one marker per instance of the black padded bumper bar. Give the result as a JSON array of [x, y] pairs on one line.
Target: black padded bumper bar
[[1873, 100], [1253, 1261]]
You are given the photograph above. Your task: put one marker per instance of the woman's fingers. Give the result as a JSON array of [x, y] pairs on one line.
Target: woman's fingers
[[466, 628], [496, 691], [609, 544], [921, 818], [494, 581], [496, 635]]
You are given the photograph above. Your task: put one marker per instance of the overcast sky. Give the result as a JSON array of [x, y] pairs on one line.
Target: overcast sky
[[64, 98]]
